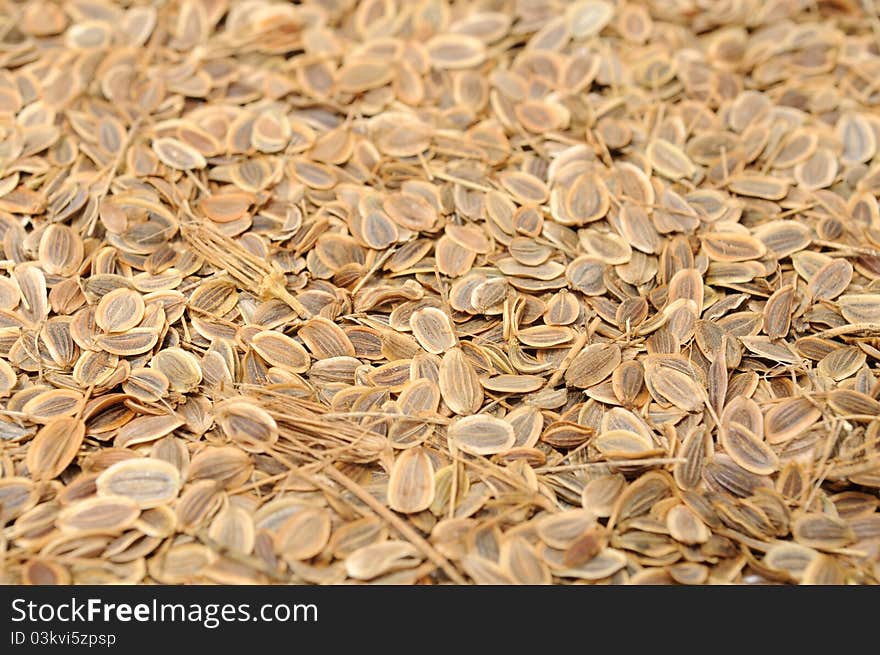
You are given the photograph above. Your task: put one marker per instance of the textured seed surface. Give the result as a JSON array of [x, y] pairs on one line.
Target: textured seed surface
[[439, 292]]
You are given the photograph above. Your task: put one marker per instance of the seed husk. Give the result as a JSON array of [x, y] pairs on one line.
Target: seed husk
[[408, 293], [481, 435], [54, 447], [411, 483], [148, 482]]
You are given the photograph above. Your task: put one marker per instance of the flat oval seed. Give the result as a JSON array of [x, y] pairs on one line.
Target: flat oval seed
[[432, 329], [148, 482], [119, 310], [54, 447], [411, 483], [481, 435]]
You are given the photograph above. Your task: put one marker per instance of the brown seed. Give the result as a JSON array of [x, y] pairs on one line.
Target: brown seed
[[821, 531], [592, 365], [788, 419], [54, 447], [111, 514], [748, 450], [777, 312], [831, 280]]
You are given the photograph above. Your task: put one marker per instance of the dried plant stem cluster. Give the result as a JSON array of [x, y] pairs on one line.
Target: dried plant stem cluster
[[494, 291]]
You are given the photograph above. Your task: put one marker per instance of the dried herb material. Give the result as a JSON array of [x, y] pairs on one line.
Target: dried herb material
[[518, 292]]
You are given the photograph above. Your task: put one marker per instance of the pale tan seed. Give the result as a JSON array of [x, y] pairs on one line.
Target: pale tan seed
[[135, 341], [669, 160], [233, 529], [747, 450], [481, 435], [636, 227], [250, 427], [61, 250], [527, 424], [325, 339], [513, 383], [120, 310], [818, 171], [842, 363], [627, 382], [622, 444], [281, 350], [788, 419], [586, 274], [608, 562], [178, 155], [561, 529], [459, 383], [824, 570], [433, 329], [304, 534], [455, 51], [180, 367], [147, 428], [858, 138], [411, 482], [588, 17], [110, 514], [484, 571], [759, 186], [860, 307], [732, 247], [525, 188], [148, 482], [777, 312], [848, 401], [520, 561], [685, 526], [374, 560], [821, 531], [790, 558], [831, 280], [592, 365], [670, 385], [227, 206]]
